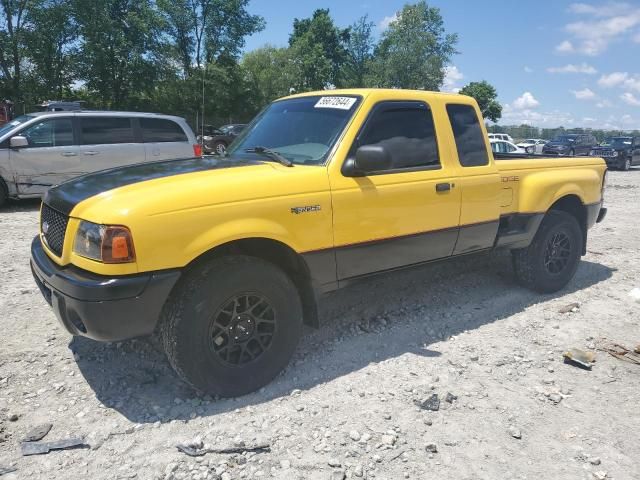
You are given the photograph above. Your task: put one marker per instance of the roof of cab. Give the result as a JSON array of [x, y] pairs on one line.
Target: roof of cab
[[364, 92]]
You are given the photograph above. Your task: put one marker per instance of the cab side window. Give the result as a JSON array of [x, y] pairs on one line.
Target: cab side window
[[50, 133], [470, 142], [406, 130]]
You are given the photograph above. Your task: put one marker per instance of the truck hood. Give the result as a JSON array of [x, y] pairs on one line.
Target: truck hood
[[66, 196]]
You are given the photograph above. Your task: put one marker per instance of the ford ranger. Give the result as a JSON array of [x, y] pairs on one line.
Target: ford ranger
[[225, 257]]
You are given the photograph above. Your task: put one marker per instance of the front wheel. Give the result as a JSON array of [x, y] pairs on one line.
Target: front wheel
[[3, 194], [232, 325], [551, 260], [626, 165]]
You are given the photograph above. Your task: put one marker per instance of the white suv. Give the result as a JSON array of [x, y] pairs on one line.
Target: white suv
[[500, 136], [43, 149]]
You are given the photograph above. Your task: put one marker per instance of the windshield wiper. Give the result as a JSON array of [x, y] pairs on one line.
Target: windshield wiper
[[272, 154]]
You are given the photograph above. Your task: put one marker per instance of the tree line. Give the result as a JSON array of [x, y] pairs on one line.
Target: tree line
[[186, 56]]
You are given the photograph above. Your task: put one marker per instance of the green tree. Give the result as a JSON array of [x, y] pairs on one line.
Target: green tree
[[486, 96], [121, 46], [319, 52], [203, 30], [12, 31], [50, 44], [360, 50], [413, 50], [269, 73]]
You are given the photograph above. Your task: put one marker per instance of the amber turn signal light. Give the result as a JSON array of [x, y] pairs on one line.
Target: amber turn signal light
[[117, 245]]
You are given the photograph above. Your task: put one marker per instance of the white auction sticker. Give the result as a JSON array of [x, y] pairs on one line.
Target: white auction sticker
[[341, 103]]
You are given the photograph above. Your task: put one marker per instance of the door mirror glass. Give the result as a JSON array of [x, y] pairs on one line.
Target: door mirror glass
[[18, 142]]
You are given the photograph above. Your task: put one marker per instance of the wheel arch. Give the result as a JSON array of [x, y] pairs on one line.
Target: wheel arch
[[574, 206], [279, 254]]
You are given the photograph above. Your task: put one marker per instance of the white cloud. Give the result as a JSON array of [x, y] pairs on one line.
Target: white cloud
[[602, 25], [613, 79], [608, 9], [571, 68], [565, 47], [630, 99], [622, 79], [556, 118], [604, 104], [386, 21], [528, 69], [452, 75], [525, 101], [584, 94]]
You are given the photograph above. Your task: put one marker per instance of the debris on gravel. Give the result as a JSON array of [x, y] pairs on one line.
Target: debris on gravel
[[37, 433], [432, 403], [579, 358]]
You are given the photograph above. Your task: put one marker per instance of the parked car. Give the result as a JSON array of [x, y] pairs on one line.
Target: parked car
[[570, 144], [227, 258], [43, 149], [216, 140], [502, 146], [619, 152], [537, 144], [500, 136]]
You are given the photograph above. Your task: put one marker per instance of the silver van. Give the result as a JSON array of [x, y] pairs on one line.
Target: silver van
[[43, 149]]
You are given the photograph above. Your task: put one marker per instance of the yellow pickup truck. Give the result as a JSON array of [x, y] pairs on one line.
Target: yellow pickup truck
[[226, 257]]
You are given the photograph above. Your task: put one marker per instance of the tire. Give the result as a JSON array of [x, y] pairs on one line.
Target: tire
[[4, 193], [544, 267], [626, 165], [219, 148], [203, 351]]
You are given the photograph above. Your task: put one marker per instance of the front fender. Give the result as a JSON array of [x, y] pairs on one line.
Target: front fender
[[239, 229]]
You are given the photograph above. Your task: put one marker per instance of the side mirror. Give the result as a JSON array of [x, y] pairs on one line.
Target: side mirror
[[18, 142], [368, 159]]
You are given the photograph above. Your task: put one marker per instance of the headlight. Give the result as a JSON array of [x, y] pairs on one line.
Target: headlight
[[104, 243]]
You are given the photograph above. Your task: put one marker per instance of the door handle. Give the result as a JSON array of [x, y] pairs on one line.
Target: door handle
[[69, 154], [91, 152], [443, 187]]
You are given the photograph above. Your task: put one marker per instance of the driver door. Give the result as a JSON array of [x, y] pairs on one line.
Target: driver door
[[404, 215], [50, 158]]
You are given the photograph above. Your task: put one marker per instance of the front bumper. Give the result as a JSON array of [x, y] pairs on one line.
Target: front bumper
[[99, 307]]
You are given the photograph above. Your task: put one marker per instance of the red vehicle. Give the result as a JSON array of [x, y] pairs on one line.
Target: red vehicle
[[6, 111]]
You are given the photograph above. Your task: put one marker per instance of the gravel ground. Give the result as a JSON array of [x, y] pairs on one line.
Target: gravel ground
[[348, 406]]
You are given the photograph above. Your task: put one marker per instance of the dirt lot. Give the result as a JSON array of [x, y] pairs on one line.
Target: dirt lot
[[347, 403]]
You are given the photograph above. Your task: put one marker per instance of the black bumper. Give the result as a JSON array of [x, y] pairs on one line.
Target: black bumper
[[595, 214], [99, 307]]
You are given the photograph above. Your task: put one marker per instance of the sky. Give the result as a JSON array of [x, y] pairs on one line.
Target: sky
[[553, 62]]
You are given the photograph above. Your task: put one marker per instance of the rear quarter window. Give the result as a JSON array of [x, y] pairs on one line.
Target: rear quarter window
[[470, 142], [159, 130]]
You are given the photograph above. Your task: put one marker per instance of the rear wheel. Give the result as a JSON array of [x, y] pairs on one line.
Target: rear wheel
[[551, 260], [232, 325], [220, 148]]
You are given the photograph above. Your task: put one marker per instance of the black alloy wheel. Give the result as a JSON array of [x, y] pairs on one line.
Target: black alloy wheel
[[243, 329]]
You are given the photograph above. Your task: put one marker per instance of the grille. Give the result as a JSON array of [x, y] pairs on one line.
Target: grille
[[53, 226]]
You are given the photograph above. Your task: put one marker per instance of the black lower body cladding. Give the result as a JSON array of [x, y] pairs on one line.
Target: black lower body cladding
[[98, 307]]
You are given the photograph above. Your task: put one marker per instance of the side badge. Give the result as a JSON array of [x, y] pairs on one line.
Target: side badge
[[306, 209]]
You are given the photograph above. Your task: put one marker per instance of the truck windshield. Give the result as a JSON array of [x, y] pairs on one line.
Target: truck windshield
[[7, 127], [616, 141], [302, 130]]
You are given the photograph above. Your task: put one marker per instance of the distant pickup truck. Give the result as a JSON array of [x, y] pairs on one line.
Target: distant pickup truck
[[226, 257]]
